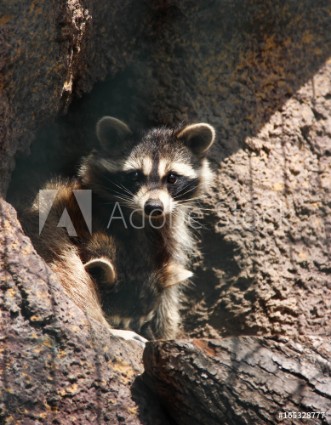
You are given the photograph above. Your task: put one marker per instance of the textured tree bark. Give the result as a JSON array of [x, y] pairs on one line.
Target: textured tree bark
[[242, 380]]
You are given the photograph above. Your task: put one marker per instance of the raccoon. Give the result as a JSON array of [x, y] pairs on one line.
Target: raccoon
[[130, 270]]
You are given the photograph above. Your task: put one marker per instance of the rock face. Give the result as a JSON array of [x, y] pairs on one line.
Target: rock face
[[261, 75], [56, 365], [52, 51], [34, 68]]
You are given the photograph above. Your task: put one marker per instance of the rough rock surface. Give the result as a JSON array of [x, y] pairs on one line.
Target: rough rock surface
[[56, 366], [270, 250], [50, 52], [33, 73]]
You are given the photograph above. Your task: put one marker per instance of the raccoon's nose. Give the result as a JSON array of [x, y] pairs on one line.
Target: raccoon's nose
[[153, 207]]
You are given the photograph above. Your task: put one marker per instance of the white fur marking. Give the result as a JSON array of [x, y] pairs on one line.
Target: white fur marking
[[115, 320], [128, 336], [162, 167], [183, 169], [146, 319], [132, 164], [206, 175], [147, 165], [143, 196], [176, 274], [125, 322]]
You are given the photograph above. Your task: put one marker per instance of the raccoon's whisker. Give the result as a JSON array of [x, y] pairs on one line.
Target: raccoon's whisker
[[126, 190], [127, 203], [192, 221], [119, 195], [191, 189], [122, 195], [187, 201], [183, 201], [196, 204], [119, 186], [122, 200], [189, 220], [200, 196], [206, 209], [116, 198], [194, 196]]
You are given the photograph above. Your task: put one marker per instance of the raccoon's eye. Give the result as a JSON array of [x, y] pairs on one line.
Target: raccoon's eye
[[172, 178], [136, 175]]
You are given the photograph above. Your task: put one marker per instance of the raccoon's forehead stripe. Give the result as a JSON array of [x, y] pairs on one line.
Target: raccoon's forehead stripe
[[144, 164], [132, 164], [162, 167], [147, 165], [180, 168]]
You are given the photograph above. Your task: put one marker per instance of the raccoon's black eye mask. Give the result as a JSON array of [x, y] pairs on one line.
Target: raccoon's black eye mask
[[179, 187], [184, 188], [135, 176], [172, 178], [129, 180]]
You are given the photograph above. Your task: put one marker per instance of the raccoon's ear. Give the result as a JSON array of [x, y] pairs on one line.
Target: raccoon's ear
[[101, 270], [198, 137], [111, 132]]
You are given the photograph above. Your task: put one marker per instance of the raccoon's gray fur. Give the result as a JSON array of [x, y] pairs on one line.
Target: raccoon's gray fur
[[129, 270]]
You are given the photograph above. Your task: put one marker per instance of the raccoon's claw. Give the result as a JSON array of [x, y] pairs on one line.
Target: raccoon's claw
[[129, 336]]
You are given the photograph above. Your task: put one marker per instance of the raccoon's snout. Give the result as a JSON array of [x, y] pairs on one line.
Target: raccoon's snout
[[154, 207]]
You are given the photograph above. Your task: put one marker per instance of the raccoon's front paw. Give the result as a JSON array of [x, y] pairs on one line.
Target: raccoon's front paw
[[129, 336]]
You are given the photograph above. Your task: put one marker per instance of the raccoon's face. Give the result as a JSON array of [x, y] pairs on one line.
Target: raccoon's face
[[152, 175]]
